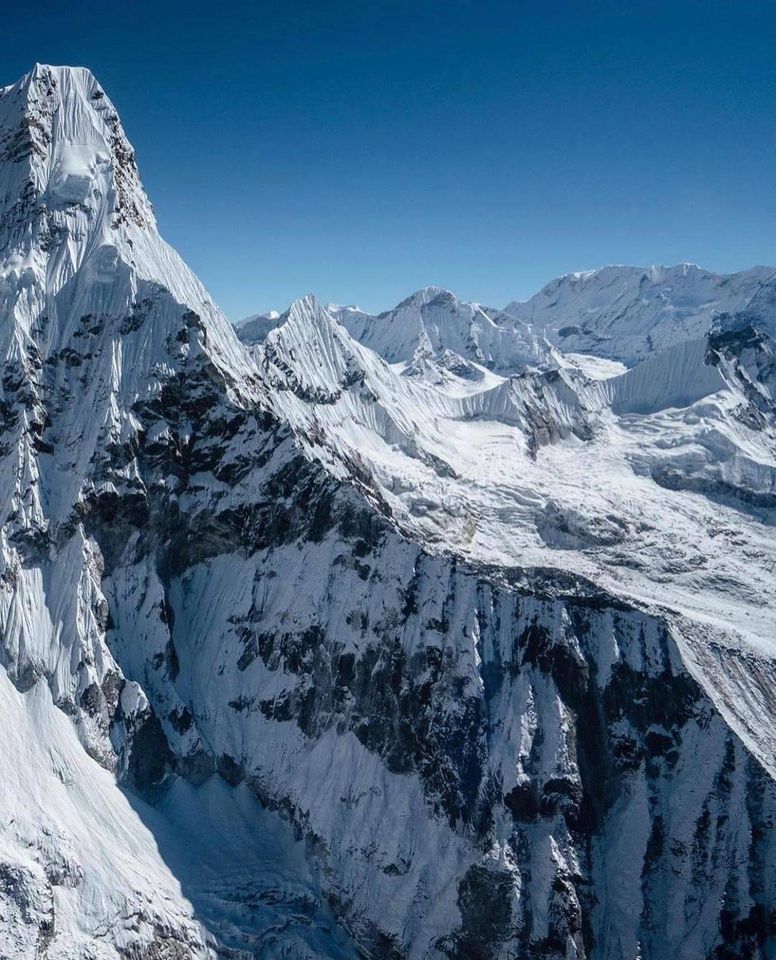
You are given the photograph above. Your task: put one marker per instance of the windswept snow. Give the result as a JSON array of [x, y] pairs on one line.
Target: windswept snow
[[434, 320], [652, 482], [442, 633], [626, 313]]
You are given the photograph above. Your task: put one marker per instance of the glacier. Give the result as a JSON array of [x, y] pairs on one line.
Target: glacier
[[446, 632]]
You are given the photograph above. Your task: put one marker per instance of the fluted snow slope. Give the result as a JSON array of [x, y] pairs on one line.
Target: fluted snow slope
[[434, 320], [391, 637], [101, 325]]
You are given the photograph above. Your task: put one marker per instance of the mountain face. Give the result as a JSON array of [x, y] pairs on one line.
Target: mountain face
[[398, 637], [255, 328], [623, 314], [434, 320], [626, 313]]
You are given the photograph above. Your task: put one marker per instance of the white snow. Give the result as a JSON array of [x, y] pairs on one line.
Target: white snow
[[457, 471], [626, 313], [640, 459]]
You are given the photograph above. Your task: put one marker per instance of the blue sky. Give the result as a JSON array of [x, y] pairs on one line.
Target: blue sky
[[362, 150]]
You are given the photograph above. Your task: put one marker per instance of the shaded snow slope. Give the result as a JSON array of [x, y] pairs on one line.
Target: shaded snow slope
[[552, 469], [255, 328], [397, 637]]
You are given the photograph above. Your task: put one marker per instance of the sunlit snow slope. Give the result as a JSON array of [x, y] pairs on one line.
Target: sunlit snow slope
[[407, 636], [629, 312]]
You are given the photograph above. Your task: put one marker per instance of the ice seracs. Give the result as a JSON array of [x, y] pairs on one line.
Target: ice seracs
[[408, 636]]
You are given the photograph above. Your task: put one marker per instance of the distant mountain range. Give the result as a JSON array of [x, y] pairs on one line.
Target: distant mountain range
[[621, 313], [442, 633]]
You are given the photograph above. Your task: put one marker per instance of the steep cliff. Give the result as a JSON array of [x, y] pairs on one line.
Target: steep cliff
[[312, 652]]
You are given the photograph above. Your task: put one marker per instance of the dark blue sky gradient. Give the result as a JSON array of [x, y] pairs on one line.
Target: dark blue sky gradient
[[362, 150]]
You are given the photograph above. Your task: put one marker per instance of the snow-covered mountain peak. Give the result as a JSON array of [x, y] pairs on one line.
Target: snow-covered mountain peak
[[254, 328], [491, 625], [438, 323], [423, 296], [627, 313], [63, 136], [308, 309], [310, 353], [78, 235]]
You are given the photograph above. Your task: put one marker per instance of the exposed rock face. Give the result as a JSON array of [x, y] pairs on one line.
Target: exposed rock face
[[288, 677]]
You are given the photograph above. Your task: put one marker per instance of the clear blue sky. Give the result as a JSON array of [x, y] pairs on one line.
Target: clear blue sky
[[362, 150]]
